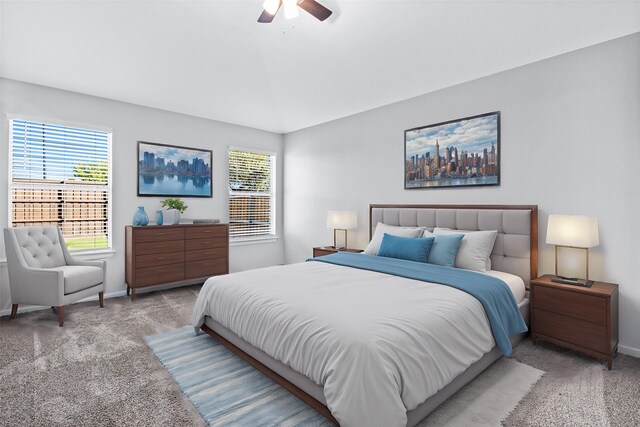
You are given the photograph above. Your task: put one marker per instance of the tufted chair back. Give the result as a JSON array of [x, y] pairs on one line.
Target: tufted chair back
[[40, 246]]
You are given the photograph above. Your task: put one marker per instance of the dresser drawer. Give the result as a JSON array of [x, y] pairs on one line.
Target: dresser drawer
[[206, 254], [159, 247], [573, 304], [206, 268], [159, 259], [211, 242], [158, 234], [578, 332], [206, 232], [160, 274]]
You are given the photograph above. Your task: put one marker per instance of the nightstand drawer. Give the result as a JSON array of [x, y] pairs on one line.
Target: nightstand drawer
[[320, 252], [571, 330], [572, 304]]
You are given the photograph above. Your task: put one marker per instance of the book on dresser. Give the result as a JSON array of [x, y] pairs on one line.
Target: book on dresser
[[181, 254]]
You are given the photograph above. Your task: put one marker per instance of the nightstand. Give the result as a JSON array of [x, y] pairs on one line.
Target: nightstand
[[328, 250], [578, 318]]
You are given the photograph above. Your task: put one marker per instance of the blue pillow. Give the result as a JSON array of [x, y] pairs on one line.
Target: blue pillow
[[409, 248], [444, 249]]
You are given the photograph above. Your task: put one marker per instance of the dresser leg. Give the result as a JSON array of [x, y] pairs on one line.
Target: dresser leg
[[133, 294], [128, 290], [610, 363], [14, 310]]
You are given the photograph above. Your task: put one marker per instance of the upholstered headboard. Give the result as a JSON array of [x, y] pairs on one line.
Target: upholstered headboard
[[516, 247]]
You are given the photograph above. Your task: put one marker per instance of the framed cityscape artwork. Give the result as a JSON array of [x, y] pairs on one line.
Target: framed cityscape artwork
[[458, 153], [172, 171]]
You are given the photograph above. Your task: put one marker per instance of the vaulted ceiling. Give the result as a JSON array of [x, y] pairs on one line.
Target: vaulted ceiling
[[212, 59]]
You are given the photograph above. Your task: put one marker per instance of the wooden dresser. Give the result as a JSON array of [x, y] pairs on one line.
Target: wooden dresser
[[575, 317], [180, 254]]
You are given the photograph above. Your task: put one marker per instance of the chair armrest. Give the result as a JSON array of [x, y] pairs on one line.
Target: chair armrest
[[88, 263], [41, 286], [41, 273]]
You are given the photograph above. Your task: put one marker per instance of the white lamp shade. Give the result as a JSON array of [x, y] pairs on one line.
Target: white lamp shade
[[573, 230], [290, 8], [342, 219], [271, 6]]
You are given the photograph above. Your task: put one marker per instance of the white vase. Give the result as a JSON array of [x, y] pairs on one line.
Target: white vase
[[172, 217]]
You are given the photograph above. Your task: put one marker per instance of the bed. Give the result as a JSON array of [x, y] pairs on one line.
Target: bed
[[419, 367]]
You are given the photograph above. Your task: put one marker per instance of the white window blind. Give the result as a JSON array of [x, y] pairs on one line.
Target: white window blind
[[251, 193], [61, 175]]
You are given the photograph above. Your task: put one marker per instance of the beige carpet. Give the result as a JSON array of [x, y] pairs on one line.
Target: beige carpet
[[489, 398], [578, 390], [97, 370]]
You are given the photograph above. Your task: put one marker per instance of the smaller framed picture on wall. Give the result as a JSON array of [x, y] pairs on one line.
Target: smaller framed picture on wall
[[173, 171], [458, 153]]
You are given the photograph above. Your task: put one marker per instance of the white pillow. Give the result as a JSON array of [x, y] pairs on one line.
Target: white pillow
[[376, 240], [427, 233], [475, 249]]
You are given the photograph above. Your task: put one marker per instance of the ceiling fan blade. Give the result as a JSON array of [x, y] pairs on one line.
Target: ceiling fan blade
[[315, 9], [266, 17]]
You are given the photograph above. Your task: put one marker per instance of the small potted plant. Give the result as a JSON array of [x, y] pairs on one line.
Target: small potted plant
[[174, 208]]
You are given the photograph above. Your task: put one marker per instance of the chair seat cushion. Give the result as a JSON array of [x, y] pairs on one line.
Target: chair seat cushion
[[79, 277]]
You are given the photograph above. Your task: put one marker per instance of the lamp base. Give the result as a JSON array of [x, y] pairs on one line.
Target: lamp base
[[572, 281]]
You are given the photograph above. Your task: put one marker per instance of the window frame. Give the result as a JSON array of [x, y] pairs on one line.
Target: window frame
[[83, 253], [258, 238]]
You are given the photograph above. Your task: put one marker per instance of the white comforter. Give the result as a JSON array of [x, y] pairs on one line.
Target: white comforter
[[379, 344]]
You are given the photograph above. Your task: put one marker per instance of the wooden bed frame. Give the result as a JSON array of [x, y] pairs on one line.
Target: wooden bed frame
[[305, 397]]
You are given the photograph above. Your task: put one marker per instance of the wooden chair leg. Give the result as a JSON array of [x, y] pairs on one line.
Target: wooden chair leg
[[101, 298], [14, 310], [61, 316]]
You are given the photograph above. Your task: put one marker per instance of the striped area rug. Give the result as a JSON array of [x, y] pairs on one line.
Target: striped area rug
[[225, 389]]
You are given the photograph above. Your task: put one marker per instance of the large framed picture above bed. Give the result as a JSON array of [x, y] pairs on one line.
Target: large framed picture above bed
[[173, 171], [457, 153]]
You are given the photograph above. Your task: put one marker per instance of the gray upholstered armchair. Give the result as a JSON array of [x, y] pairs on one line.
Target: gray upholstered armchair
[[42, 272]]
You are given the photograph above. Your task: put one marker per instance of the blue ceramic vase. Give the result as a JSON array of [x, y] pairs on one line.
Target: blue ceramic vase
[[140, 217], [159, 218]]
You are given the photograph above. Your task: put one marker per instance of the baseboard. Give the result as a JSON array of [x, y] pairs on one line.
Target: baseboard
[[28, 308], [629, 351]]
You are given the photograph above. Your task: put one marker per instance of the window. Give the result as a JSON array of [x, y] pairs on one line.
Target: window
[[61, 175], [251, 194]]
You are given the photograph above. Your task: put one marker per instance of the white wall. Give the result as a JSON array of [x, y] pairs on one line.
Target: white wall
[[570, 144], [131, 123]]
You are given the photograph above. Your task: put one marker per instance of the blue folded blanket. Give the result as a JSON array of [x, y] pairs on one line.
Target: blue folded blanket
[[494, 294]]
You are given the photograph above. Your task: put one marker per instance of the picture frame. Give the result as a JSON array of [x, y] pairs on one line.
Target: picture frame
[[457, 153], [174, 171]]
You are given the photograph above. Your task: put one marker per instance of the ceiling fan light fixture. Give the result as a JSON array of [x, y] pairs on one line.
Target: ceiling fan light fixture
[[271, 6], [290, 8]]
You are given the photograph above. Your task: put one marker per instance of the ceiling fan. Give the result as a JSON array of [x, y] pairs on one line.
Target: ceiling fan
[[290, 7]]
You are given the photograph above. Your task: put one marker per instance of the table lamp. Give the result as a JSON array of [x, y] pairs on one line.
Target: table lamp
[[572, 231], [341, 220]]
